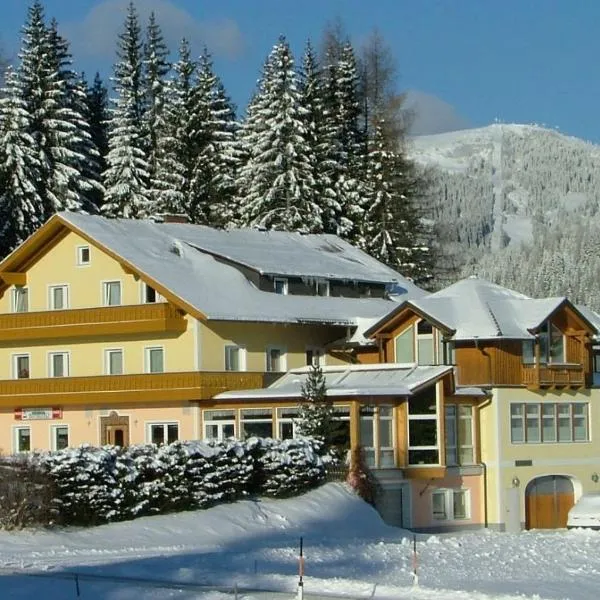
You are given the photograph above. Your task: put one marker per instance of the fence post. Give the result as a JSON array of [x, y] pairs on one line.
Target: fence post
[[414, 561], [301, 572]]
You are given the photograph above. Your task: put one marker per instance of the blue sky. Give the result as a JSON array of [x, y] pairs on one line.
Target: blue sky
[[525, 61]]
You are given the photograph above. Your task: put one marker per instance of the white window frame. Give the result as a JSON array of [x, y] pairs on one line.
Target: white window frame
[[15, 364], [53, 431], [164, 424], [241, 357], [148, 363], [80, 261], [455, 420], [15, 294], [448, 495], [106, 354], [376, 420], [282, 359], [228, 420], [143, 294], [437, 342], [262, 418], [66, 364], [427, 417], [285, 288], [15, 438], [66, 296], [105, 288], [282, 419], [324, 282], [319, 353]]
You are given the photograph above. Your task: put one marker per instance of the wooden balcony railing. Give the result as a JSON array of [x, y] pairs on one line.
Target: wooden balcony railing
[[554, 375], [111, 389], [87, 322]]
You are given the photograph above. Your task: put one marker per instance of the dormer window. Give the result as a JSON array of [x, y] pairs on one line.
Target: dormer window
[[322, 287], [280, 285]]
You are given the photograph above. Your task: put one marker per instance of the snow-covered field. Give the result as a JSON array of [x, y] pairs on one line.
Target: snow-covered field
[[348, 551]]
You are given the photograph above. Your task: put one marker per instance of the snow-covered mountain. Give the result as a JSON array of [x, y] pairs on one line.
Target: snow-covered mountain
[[518, 204]]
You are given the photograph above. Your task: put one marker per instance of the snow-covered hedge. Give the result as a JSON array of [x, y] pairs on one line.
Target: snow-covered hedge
[[97, 485]]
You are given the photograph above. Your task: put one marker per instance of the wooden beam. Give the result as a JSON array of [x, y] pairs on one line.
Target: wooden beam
[[14, 278]]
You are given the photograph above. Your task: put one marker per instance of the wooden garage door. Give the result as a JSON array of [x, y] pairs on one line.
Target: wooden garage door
[[548, 501]]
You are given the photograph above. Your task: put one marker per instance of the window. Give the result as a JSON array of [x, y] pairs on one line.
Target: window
[[280, 285], [21, 366], [22, 439], [60, 437], [58, 364], [163, 433], [423, 428], [112, 293], [275, 360], [83, 255], [20, 298], [256, 422], [549, 422], [315, 356], [322, 288], [377, 435], [450, 505], [218, 424], [459, 434], [286, 427], [150, 295], [235, 358], [58, 297], [113, 361], [551, 346], [423, 344], [405, 346], [425, 347], [528, 352], [155, 362]]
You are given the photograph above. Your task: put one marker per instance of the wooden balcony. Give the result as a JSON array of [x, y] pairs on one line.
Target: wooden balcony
[[125, 389], [88, 322], [557, 375]]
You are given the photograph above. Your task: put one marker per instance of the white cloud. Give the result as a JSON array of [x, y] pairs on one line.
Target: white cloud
[[96, 35], [432, 114]]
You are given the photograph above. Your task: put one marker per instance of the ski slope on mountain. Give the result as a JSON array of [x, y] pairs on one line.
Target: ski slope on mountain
[[254, 545]]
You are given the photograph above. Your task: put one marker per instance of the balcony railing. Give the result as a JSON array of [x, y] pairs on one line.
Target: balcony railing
[[554, 375], [111, 389], [86, 322]]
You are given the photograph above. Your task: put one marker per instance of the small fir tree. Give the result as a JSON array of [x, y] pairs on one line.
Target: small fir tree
[[316, 418]]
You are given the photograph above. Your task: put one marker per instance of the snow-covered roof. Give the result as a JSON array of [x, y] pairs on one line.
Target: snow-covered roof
[[349, 380], [477, 309], [222, 292]]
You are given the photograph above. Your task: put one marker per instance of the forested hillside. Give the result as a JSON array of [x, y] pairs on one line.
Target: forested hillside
[[519, 205]]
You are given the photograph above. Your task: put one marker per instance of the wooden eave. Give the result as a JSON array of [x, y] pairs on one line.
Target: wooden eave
[[55, 230], [403, 313]]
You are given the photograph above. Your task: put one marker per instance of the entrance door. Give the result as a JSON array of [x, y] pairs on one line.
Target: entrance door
[[548, 501], [114, 430]]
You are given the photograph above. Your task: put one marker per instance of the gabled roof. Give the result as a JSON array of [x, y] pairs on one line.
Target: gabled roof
[[205, 287], [477, 309], [350, 380]]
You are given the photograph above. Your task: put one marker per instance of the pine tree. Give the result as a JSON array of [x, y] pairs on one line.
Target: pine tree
[[21, 206], [276, 185], [316, 416], [127, 177], [97, 114], [392, 230], [213, 177]]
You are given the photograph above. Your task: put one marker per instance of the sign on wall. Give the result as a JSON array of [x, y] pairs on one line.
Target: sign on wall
[[37, 414]]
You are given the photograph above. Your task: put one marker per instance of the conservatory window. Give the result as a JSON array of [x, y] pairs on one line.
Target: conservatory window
[[256, 422], [423, 428], [218, 424], [286, 422]]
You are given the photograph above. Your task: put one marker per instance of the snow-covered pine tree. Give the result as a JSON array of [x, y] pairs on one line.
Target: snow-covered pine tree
[[97, 114], [213, 177], [276, 185], [156, 68], [21, 206], [315, 416], [392, 230], [127, 177]]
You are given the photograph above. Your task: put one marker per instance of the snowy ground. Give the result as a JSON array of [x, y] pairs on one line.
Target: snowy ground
[[348, 550]]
